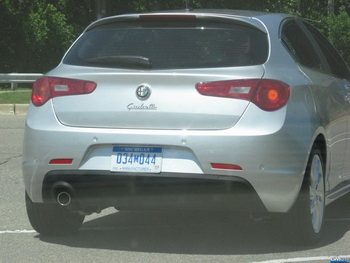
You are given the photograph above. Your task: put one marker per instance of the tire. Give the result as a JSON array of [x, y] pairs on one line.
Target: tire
[[52, 219], [306, 219]]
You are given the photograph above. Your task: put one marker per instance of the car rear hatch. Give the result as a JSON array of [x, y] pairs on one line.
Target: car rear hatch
[[147, 68]]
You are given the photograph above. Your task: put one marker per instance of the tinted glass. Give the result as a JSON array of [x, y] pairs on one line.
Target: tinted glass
[[335, 61], [172, 47], [300, 46]]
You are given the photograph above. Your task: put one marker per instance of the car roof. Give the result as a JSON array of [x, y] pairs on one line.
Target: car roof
[[230, 12], [243, 15]]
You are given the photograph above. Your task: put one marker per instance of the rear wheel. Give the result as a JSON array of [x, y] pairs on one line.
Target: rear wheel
[[307, 216], [52, 219]]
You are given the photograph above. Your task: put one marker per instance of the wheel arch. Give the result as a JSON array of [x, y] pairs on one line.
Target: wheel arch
[[306, 218], [321, 143]]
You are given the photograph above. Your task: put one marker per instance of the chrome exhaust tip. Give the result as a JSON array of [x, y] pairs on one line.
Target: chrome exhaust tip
[[63, 193], [64, 198]]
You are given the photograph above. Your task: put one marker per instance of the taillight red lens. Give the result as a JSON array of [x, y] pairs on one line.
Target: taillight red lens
[[50, 87], [267, 94], [271, 95]]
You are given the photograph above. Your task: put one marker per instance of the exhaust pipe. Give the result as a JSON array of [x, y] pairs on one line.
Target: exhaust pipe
[[64, 198], [63, 193]]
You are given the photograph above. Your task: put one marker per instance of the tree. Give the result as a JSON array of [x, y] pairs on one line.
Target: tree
[[35, 34], [336, 28], [47, 35], [11, 39]]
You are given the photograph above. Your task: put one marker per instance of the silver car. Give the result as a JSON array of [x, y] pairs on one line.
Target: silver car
[[190, 110]]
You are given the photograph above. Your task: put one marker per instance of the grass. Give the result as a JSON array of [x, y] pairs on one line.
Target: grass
[[15, 97], [18, 89]]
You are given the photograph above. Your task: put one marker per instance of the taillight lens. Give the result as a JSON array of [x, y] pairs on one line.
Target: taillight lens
[[267, 94], [50, 87]]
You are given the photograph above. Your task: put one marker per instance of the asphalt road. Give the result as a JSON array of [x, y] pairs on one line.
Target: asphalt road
[[151, 236]]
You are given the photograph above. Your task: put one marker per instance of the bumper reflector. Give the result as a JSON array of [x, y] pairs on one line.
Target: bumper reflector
[[61, 161], [225, 166]]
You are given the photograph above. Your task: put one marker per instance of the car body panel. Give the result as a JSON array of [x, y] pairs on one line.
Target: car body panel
[[208, 145], [271, 147], [174, 102]]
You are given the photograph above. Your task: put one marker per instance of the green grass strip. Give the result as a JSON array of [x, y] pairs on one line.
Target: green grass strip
[[15, 97]]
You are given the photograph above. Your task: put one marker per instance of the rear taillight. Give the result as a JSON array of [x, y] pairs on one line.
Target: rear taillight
[[267, 94], [50, 87]]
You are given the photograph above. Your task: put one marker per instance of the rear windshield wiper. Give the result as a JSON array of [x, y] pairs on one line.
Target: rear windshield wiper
[[122, 61]]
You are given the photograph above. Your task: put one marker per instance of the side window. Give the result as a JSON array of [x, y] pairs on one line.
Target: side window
[[336, 63], [299, 46]]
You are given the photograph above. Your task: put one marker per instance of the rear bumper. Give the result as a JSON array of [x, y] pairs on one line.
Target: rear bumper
[[273, 158], [163, 191]]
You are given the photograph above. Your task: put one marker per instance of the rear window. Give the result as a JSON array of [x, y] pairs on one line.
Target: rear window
[[170, 47]]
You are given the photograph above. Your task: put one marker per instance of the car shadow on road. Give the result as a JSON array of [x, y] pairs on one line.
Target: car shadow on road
[[196, 233]]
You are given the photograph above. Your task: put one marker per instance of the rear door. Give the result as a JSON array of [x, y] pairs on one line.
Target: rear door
[[329, 95], [340, 95]]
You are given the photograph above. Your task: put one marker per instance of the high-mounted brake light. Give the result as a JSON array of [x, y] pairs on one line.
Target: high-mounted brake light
[[50, 87], [176, 18], [267, 94]]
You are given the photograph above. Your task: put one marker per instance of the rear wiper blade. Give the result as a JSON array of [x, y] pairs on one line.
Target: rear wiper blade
[[122, 61]]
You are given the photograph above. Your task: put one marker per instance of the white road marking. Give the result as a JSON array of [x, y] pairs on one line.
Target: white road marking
[[306, 259], [96, 228], [24, 231], [17, 231]]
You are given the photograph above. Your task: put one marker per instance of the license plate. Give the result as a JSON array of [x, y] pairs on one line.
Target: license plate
[[136, 159]]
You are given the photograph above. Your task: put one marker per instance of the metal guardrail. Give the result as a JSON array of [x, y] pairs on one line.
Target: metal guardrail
[[15, 78]]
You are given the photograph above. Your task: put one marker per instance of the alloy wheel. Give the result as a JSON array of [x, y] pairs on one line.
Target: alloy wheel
[[317, 193]]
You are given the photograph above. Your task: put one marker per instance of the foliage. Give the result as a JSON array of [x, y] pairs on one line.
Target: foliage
[[46, 32], [8, 48], [336, 27], [39, 32], [35, 34]]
